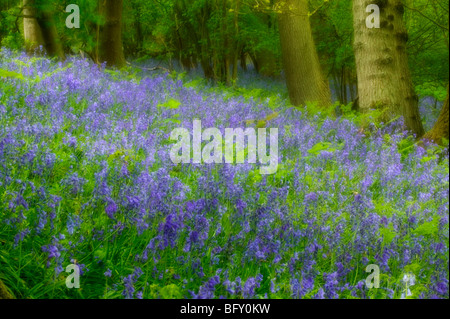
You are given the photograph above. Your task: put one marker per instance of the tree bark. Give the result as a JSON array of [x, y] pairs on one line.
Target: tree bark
[[110, 46], [304, 77], [31, 30], [440, 130], [384, 80]]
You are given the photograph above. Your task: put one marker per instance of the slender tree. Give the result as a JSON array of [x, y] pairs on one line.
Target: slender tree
[[110, 43], [304, 77], [236, 46], [384, 80]]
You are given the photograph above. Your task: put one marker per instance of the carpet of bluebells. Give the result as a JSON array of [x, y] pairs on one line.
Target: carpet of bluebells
[[86, 179]]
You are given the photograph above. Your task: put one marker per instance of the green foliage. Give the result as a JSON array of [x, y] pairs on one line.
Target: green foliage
[[430, 89], [10, 35], [388, 235], [427, 24], [406, 146], [320, 147], [10, 74], [171, 104], [428, 229], [202, 33]]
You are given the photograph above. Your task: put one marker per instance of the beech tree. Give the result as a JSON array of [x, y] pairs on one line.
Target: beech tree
[[304, 78], [384, 80]]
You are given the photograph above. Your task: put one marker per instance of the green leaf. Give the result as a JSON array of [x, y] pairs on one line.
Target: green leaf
[[10, 74], [173, 119], [427, 159], [319, 147], [171, 104]]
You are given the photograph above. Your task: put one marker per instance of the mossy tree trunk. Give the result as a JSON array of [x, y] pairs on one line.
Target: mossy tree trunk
[[384, 80]]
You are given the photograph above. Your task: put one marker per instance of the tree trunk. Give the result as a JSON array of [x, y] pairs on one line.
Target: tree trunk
[[50, 35], [31, 30], [236, 47], [243, 59], [440, 129], [110, 46], [384, 80], [304, 77]]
